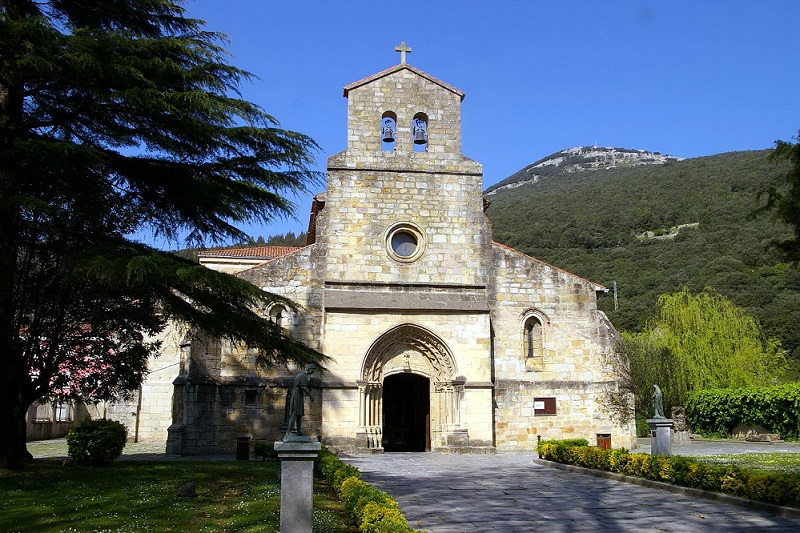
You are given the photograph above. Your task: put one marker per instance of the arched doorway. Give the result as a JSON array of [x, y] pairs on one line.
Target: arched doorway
[[406, 413], [409, 375]]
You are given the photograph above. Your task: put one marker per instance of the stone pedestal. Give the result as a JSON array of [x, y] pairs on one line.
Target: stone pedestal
[[681, 437], [661, 436], [297, 484]]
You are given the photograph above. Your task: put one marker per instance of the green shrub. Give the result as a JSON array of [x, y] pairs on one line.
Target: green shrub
[[376, 518], [642, 428], [680, 467], [586, 456], [780, 489], [370, 494], [618, 460], [264, 450], [718, 411], [733, 480], [96, 442], [334, 470], [372, 509], [557, 450]]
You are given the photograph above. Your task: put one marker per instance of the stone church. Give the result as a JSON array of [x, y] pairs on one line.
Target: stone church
[[440, 339]]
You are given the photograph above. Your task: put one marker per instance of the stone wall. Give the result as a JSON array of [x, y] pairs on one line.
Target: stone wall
[[298, 277], [576, 366], [147, 420], [214, 415]]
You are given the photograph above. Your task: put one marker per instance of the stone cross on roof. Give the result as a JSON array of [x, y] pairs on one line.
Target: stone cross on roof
[[402, 49]]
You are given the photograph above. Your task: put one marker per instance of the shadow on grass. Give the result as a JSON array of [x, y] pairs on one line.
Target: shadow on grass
[[142, 496]]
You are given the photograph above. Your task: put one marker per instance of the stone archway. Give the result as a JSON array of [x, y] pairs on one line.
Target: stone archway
[[409, 349]]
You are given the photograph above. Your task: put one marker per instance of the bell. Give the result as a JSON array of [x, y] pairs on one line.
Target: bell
[[419, 136], [388, 135]]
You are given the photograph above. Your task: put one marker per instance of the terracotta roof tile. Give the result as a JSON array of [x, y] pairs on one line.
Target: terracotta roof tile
[[255, 252]]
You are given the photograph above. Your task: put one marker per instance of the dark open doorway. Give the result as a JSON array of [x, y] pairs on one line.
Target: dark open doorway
[[406, 413]]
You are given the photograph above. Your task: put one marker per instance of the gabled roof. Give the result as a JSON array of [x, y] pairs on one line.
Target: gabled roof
[[255, 252], [397, 68]]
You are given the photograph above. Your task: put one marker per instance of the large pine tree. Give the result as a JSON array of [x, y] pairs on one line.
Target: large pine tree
[[119, 117]]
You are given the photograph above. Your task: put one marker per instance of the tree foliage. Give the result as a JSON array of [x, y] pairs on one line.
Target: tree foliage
[[118, 118], [785, 200], [697, 342]]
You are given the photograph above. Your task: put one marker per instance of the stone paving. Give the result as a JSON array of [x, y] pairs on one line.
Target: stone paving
[[508, 493]]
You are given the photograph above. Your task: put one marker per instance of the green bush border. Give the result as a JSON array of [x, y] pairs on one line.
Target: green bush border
[[373, 510], [718, 411], [778, 489]]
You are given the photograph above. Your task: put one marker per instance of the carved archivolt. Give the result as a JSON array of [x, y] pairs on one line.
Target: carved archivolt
[[401, 339]]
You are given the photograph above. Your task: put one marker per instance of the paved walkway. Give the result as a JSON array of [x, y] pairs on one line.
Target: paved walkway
[[507, 492], [133, 451]]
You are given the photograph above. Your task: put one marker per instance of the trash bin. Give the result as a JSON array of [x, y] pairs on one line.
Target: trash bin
[[604, 441], [242, 448]]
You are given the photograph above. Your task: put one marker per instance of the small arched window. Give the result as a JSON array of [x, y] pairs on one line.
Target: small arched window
[[419, 132], [388, 131], [533, 342], [279, 316]]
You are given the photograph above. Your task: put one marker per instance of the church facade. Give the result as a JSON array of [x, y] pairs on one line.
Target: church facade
[[439, 338]]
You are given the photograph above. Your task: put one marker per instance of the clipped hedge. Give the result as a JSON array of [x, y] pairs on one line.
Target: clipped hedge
[[779, 489], [372, 509], [719, 411]]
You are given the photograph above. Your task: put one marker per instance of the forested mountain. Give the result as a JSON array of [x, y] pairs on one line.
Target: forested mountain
[[654, 225]]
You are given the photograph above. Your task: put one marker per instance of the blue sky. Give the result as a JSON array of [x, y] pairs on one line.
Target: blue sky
[[685, 78]]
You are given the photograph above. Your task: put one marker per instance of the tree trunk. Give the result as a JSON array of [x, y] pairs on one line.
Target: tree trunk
[[14, 371], [14, 374], [13, 450]]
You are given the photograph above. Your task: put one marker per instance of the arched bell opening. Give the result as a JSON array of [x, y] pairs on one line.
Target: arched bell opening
[[419, 132], [388, 131]]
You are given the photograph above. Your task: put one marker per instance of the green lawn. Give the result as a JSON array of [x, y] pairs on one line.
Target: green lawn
[[788, 463], [142, 496]]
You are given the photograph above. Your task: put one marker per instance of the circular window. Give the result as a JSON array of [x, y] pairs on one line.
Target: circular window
[[405, 242]]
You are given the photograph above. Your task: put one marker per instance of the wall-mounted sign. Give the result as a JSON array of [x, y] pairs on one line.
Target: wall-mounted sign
[[544, 406]]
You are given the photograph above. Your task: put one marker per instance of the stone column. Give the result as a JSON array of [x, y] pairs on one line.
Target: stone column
[[370, 416], [452, 433], [297, 484], [661, 436]]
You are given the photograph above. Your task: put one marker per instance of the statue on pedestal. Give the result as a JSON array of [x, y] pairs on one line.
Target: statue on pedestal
[[294, 404], [658, 403]]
